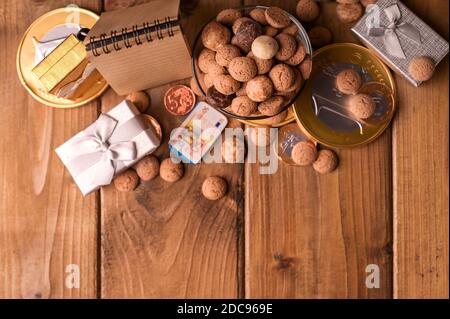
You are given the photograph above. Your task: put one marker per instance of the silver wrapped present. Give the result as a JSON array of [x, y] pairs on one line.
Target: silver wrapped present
[[397, 36], [116, 141]]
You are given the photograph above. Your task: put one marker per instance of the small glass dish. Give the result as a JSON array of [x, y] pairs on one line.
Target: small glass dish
[[302, 36]]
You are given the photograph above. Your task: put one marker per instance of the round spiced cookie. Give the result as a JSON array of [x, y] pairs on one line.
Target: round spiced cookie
[[214, 188], [205, 58], [320, 36], [263, 65], [242, 69], [140, 99], [348, 81], [258, 15], [271, 106], [307, 10], [305, 68], [228, 16], [243, 105], [326, 162], [226, 53], [170, 171], [247, 33], [270, 31], [147, 168], [292, 30], [362, 106], [347, 1], [421, 68], [304, 153], [126, 181], [225, 84], [217, 99], [282, 77], [265, 47], [277, 18], [214, 35], [238, 22], [297, 85], [288, 46], [207, 63], [298, 56], [259, 88], [348, 13]]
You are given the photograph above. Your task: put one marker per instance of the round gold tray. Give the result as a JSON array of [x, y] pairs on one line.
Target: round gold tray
[[26, 56], [307, 113]]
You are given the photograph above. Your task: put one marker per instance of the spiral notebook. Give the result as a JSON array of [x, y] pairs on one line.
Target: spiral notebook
[[140, 47]]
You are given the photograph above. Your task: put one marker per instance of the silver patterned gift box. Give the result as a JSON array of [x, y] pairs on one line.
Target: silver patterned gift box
[[116, 141], [397, 36]]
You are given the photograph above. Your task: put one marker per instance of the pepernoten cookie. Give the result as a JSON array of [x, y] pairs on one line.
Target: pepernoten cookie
[[288, 46], [258, 15], [307, 10], [282, 77], [305, 68], [217, 99], [362, 106], [238, 22], [320, 36], [263, 65], [247, 33], [214, 35], [226, 53], [348, 81], [214, 188], [207, 63], [259, 88], [243, 105], [271, 106], [421, 68], [242, 69], [326, 162], [265, 47], [304, 153], [228, 16], [277, 18], [170, 171], [349, 12], [225, 84], [298, 56]]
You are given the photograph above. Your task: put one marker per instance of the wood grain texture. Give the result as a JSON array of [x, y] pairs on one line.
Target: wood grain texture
[[45, 223], [165, 240], [420, 167], [311, 236]]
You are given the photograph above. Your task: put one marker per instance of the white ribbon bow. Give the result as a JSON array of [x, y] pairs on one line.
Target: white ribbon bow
[[98, 144], [389, 32]]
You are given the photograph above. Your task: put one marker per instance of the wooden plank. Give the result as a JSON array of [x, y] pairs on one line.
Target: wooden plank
[[310, 236], [420, 162], [45, 223], [166, 240]]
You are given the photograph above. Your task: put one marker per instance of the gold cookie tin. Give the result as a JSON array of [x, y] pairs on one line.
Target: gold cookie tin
[[320, 110], [26, 57]]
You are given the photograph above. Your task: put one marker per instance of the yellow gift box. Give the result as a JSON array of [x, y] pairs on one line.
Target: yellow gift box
[[63, 65]]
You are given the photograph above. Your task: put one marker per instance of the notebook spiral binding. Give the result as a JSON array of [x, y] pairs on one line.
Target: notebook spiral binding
[[116, 41]]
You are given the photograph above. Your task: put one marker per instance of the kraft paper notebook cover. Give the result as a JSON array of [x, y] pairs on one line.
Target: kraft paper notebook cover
[[140, 47]]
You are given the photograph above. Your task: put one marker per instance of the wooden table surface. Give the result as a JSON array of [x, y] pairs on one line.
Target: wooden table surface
[[293, 234]]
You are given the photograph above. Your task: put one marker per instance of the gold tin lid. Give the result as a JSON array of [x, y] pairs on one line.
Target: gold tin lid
[[26, 53], [290, 117], [321, 110]]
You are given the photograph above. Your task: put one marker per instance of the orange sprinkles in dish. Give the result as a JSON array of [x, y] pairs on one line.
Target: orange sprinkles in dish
[[179, 100]]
